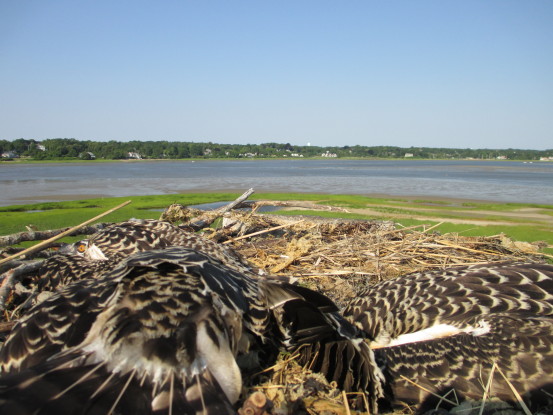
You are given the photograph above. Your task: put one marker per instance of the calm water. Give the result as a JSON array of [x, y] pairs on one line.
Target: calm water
[[482, 180]]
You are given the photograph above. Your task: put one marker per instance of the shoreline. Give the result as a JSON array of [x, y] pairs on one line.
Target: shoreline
[[192, 160], [430, 200]]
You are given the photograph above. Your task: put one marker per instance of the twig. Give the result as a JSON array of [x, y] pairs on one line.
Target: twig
[[278, 364], [269, 387], [47, 242], [515, 392], [464, 248], [346, 403], [365, 401], [432, 227], [487, 389], [261, 232], [17, 238], [428, 391], [404, 228]]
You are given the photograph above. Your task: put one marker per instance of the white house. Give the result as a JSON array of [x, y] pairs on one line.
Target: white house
[[134, 155], [9, 155]]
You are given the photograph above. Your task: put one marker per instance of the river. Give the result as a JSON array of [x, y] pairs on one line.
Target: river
[[498, 181]]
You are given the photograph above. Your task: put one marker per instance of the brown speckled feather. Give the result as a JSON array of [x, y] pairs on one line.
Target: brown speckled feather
[[165, 328], [60, 270], [138, 235], [107, 247], [520, 344], [506, 311]]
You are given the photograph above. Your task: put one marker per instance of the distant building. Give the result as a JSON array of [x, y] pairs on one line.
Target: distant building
[[296, 155], [329, 154], [134, 155], [501, 157], [9, 155], [40, 147], [407, 155], [87, 155]]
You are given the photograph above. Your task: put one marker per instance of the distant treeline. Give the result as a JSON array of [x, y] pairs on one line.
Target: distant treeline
[[70, 148]]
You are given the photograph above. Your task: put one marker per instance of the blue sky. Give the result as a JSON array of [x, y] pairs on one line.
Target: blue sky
[[437, 73]]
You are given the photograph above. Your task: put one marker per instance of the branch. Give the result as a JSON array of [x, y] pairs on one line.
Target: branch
[[17, 238], [44, 244], [262, 232], [11, 277], [209, 217], [236, 202]]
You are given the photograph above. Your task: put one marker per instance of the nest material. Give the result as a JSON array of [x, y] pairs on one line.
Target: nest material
[[338, 258]]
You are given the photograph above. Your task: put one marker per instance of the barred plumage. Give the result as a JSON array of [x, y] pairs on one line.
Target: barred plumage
[[60, 270], [164, 330], [499, 313], [116, 242], [137, 235]]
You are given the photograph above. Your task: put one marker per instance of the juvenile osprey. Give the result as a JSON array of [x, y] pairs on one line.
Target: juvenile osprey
[[137, 235], [108, 246], [440, 331], [165, 331]]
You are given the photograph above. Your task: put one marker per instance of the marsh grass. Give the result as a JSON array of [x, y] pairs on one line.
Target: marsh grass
[[405, 211]]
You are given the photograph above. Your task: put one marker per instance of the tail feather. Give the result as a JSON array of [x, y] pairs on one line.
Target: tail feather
[[352, 366], [55, 388], [326, 341]]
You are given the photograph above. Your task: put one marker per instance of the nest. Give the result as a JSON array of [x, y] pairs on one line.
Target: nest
[[337, 258], [341, 257]]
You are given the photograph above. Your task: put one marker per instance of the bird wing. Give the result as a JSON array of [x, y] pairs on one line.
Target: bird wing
[[61, 321], [417, 301], [520, 345], [60, 270]]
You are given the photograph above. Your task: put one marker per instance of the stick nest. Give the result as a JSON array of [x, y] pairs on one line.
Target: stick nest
[[335, 257], [338, 257], [341, 257]]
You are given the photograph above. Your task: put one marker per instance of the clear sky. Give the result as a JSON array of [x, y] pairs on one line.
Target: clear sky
[[436, 73]]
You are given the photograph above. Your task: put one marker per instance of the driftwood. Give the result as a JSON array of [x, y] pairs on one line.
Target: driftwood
[[196, 219], [33, 235], [11, 277], [209, 217]]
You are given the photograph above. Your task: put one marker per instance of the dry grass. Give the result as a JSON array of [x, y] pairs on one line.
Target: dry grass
[[338, 258]]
